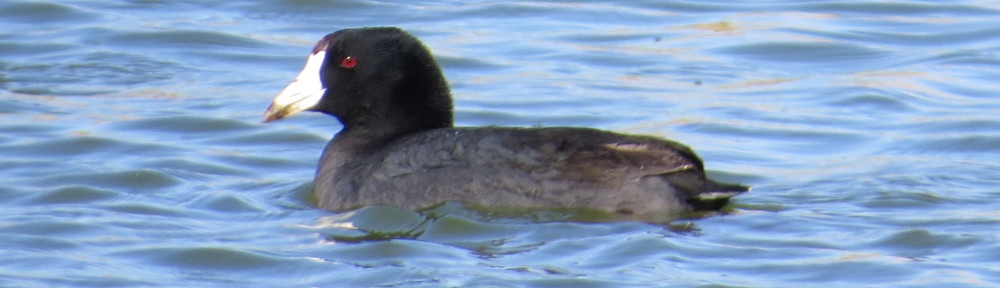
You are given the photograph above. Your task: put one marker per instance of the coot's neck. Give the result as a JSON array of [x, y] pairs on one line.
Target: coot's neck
[[413, 103]]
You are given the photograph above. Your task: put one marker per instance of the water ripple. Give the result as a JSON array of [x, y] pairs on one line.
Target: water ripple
[[804, 52], [32, 13]]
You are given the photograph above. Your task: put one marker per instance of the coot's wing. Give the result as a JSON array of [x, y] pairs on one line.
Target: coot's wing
[[568, 167]]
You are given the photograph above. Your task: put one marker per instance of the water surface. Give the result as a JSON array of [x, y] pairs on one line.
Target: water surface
[[131, 152]]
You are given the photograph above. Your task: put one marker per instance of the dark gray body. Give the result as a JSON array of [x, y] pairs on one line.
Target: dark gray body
[[514, 167]]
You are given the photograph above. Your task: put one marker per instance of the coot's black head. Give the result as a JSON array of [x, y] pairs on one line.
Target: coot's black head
[[375, 80]]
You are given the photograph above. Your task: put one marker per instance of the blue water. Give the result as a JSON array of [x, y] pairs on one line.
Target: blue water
[[131, 152]]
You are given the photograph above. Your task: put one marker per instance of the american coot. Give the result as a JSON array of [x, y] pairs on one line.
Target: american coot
[[398, 146]]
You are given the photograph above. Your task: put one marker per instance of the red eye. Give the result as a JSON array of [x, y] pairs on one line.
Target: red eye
[[348, 62]]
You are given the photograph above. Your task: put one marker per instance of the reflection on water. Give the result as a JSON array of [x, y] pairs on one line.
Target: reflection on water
[[131, 152]]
